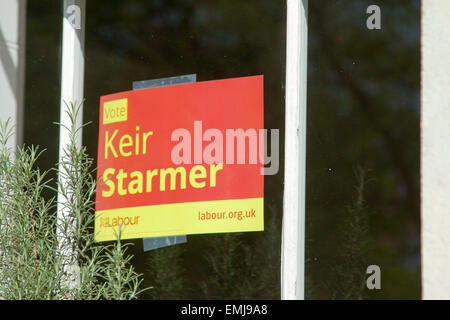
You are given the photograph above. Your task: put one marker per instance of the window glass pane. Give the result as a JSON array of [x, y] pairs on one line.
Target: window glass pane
[[362, 192], [363, 196], [141, 40]]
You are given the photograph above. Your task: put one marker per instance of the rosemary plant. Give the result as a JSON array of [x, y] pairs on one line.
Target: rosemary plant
[[45, 257]]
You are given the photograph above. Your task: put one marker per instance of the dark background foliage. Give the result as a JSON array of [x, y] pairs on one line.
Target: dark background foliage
[[363, 120]]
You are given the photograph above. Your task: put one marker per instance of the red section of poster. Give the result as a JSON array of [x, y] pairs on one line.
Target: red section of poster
[[135, 143]]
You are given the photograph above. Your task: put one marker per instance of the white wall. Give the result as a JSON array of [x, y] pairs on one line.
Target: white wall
[[435, 157], [12, 64]]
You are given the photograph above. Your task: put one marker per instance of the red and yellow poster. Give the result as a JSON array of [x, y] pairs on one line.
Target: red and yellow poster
[[182, 159]]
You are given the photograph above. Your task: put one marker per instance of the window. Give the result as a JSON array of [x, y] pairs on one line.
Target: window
[[362, 161]]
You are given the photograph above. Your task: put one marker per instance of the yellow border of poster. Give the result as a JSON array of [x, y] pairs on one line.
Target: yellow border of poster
[[235, 215]]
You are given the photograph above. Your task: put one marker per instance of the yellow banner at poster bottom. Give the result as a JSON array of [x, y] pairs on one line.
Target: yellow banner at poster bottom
[[220, 216]]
